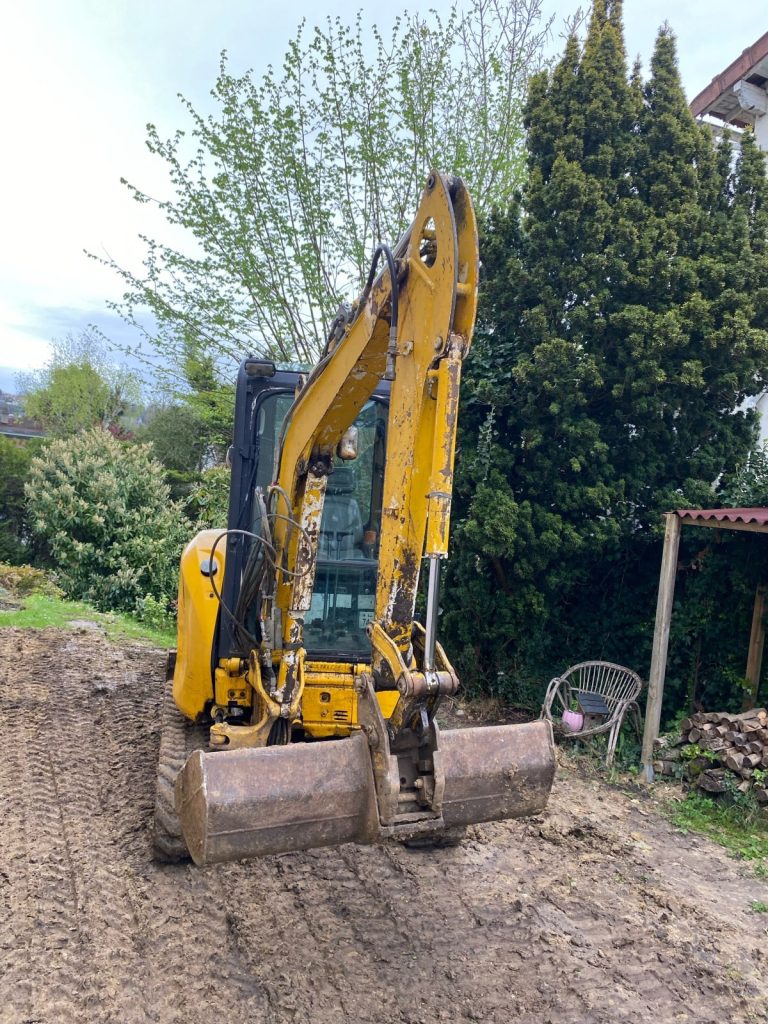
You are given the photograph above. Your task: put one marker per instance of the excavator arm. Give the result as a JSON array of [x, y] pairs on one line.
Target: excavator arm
[[396, 776], [414, 331]]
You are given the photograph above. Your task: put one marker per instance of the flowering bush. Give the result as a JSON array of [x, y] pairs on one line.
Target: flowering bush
[[103, 510]]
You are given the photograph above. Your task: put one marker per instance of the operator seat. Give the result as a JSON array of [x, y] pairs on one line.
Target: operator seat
[[341, 528]]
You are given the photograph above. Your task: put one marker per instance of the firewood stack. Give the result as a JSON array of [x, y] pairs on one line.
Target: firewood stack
[[736, 744]]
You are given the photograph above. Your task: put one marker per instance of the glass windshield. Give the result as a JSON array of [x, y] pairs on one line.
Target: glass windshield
[[345, 581], [270, 413]]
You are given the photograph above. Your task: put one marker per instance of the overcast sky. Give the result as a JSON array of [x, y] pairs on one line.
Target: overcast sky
[[79, 80]]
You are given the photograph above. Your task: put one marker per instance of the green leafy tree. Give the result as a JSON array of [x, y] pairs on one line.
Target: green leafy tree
[[618, 342], [286, 189], [210, 399], [177, 436], [179, 439], [14, 534], [79, 388], [103, 510]]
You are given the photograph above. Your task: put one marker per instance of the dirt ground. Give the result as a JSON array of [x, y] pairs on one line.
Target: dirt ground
[[599, 911]]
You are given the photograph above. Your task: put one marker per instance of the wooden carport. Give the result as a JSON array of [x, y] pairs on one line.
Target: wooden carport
[[754, 520]]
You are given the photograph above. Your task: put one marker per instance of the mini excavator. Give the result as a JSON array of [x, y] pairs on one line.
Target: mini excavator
[[302, 695]]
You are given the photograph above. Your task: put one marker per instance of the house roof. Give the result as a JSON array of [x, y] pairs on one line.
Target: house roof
[[719, 98]]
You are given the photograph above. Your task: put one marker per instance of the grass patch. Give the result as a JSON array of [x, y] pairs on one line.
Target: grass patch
[[758, 907], [41, 611], [731, 825]]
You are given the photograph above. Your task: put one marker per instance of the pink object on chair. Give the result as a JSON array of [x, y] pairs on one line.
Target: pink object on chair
[[573, 720]]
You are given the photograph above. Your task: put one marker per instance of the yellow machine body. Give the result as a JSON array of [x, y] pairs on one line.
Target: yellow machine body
[[329, 704]]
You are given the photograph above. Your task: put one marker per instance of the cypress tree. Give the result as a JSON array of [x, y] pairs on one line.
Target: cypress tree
[[614, 350]]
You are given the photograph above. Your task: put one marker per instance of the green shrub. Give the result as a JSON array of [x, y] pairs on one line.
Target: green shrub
[[103, 510], [23, 580], [14, 467], [157, 614]]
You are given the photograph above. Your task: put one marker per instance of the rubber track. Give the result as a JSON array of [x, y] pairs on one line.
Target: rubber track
[[178, 739]]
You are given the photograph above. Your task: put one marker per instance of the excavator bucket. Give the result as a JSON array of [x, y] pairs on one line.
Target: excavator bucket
[[253, 802]]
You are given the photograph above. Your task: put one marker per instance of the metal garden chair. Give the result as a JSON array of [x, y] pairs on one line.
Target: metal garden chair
[[604, 694]]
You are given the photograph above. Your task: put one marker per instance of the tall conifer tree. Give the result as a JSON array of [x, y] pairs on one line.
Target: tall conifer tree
[[614, 352]]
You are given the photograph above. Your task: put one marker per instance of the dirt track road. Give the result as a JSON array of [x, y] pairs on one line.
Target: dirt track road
[[599, 912]]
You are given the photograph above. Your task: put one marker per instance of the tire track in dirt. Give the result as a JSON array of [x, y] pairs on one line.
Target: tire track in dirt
[[93, 784], [15, 888], [48, 921], [567, 918]]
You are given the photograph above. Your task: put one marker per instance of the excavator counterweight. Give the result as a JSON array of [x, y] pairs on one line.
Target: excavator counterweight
[[298, 648]]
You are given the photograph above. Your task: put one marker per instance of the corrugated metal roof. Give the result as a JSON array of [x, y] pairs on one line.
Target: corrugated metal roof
[[758, 516]]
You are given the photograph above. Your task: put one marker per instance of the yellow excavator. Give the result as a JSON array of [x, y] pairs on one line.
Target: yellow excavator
[[301, 711]]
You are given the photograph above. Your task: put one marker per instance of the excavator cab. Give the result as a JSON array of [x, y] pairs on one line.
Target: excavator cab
[[304, 691], [344, 591]]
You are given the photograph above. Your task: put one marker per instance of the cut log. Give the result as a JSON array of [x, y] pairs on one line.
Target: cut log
[[765, 759], [712, 780], [686, 725], [745, 786], [754, 747], [744, 716], [694, 735], [734, 761], [752, 760], [670, 754], [761, 794], [736, 738]]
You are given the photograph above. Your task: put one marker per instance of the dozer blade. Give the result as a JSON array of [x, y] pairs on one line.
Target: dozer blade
[[254, 802]]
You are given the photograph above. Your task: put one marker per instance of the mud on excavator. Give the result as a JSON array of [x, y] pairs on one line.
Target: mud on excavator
[[302, 706]]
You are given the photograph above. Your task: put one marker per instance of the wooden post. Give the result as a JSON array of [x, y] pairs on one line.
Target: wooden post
[[660, 641], [756, 643]]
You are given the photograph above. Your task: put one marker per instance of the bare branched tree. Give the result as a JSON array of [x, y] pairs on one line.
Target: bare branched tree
[[286, 189]]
